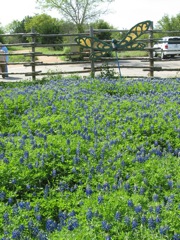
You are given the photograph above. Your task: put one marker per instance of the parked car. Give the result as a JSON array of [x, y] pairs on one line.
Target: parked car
[[167, 47]]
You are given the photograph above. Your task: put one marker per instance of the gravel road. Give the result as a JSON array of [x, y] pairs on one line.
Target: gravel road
[[172, 63]]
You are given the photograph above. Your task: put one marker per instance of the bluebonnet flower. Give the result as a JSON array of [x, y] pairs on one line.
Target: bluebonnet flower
[[135, 188], [151, 223], [34, 231], [21, 160], [155, 197], [158, 209], [72, 224], [163, 230], [143, 219], [2, 155], [10, 200], [106, 186], [108, 237], [127, 220], [130, 203], [68, 141], [72, 213], [46, 191], [76, 159], [6, 160], [141, 190], [39, 217], [15, 210], [26, 154], [42, 236], [138, 209], [6, 218], [2, 195], [88, 191], [117, 216], [54, 172], [106, 226], [158, 220], [36, 208], [21, 204], [151, 209], [134, 224], [16, 234], [170, 184], [176, 236], [28, 186], [89, 215], [127, 186], [100, 199], [51, 225], [62, 218], [21, 228], [30, 166], [27, 206]]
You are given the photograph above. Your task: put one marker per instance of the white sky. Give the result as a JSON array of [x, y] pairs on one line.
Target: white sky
[[125, 13]]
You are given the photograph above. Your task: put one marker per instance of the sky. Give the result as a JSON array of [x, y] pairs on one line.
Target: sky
[[124, 13]]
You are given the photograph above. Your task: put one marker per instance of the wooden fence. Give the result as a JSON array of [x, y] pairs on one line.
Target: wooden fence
[[34, 68]]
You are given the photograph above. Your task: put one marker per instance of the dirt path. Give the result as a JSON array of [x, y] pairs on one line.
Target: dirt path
[[44, 59]]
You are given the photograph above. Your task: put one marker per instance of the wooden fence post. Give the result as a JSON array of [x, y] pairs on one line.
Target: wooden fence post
[[92, 50], [151, 57], [33, 57]]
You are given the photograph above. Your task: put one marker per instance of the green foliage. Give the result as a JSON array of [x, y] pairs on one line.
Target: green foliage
[[167, 23], [45, 24], [101, 24], [90, 159], [108, 73]]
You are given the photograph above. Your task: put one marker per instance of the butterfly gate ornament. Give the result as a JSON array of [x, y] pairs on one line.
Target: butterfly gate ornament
[[129, 42]]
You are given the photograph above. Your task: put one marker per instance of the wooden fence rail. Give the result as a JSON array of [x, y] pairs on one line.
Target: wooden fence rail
[[147, 64]]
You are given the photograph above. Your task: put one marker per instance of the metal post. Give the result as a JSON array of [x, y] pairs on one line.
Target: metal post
[[151, 59], [92, 50]]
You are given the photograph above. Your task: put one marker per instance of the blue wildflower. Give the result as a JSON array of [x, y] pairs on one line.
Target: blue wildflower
[[72, 224], [50, 225], [130, 203], [106, 226], [151, 223], [89, 191], [117, 216], [100, 199], [134, 224], [16, 234], [163, 230], [89, 215]]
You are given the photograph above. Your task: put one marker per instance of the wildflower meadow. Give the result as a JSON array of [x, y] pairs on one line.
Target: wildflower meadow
[[91, 159]]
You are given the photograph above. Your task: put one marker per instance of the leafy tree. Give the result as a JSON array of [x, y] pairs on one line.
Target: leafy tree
[[101, 24], [78, 12], [169, 24], [45, 24], [18, 27]]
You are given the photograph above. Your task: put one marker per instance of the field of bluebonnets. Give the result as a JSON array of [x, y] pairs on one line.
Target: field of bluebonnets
[[90, 159]]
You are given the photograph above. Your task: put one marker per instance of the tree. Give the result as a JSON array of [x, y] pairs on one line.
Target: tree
[[1, 32], [45, 24], [78, 12], [17, 27], [101, 24], [169, 23]]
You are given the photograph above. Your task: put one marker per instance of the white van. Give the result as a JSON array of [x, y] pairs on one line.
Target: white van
[[167, 47]]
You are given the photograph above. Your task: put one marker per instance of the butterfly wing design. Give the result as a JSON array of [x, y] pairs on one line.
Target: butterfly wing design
[[129, 41], [99, 47]]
